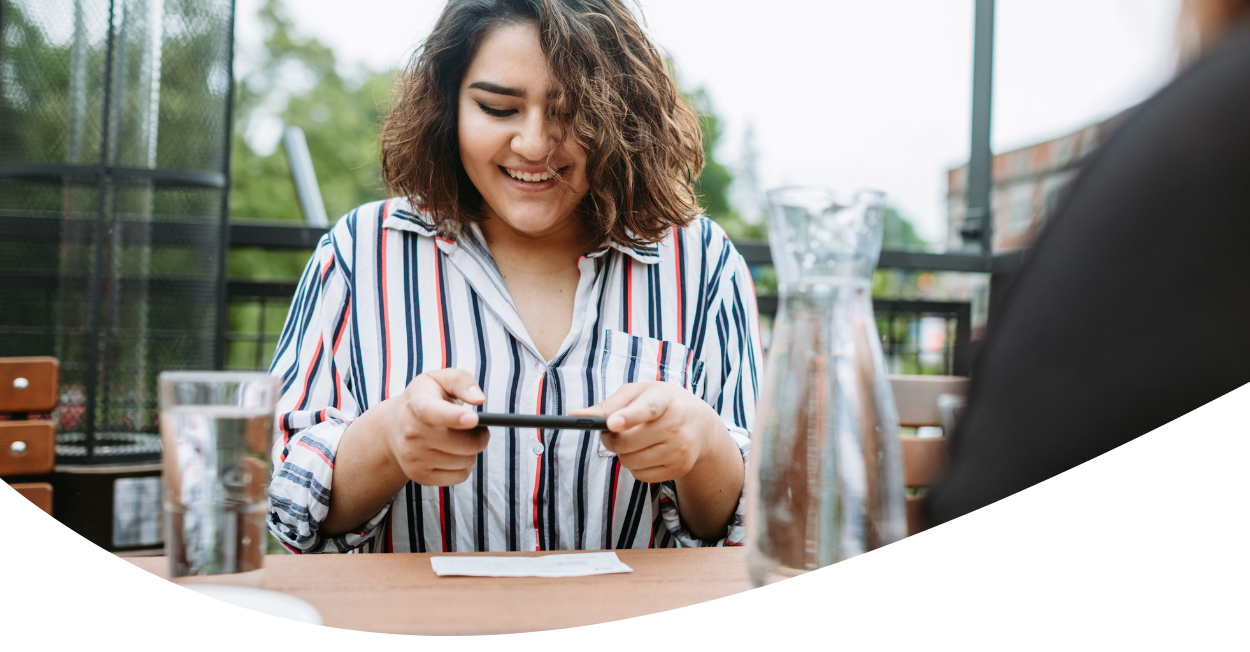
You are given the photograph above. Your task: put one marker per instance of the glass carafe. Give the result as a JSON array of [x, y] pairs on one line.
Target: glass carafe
[[825, 474]]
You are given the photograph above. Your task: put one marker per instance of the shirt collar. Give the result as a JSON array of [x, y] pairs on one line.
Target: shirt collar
[[400, 215]]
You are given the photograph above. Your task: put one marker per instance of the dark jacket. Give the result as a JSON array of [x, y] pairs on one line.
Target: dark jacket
[[1132, 309]]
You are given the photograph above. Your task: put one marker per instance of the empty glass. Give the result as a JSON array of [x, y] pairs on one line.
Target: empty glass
[[826, 480], [216, 429]]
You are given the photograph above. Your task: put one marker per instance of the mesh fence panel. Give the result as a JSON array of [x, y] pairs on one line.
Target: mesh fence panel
[[113, 154]]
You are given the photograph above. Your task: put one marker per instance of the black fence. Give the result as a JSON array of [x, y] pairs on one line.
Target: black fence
[[258, 308], [114, 160]]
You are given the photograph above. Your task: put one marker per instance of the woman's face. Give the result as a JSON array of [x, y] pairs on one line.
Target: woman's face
[[507, 132]]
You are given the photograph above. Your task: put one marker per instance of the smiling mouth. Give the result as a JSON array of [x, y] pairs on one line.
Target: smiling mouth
[[532, 177]]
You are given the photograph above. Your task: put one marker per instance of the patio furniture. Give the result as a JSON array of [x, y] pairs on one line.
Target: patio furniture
[[924, 458], [28, 446]]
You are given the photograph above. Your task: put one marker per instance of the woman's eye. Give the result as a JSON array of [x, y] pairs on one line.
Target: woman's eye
[[498, 113]]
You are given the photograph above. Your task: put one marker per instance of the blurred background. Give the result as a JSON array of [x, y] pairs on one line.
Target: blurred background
[[166, 167], [847, 94]]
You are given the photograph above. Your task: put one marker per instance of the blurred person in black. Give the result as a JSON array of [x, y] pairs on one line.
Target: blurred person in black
[[1133, 308]]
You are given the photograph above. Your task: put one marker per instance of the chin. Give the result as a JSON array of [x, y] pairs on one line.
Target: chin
[[535, 219], [531, 224]]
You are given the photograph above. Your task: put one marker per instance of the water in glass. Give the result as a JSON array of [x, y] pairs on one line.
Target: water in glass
[[215, 436]]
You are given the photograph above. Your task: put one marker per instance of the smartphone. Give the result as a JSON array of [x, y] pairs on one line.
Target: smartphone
[[544, 421]]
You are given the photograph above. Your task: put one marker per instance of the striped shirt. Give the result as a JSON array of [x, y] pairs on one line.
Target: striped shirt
[[385, 298]]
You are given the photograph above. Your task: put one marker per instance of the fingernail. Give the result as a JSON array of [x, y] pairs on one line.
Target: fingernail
[[475, 393], [615, 422]]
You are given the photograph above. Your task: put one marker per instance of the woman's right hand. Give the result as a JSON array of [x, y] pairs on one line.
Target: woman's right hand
[[434, 437]]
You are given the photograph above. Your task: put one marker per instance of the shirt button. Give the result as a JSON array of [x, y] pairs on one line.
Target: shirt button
[[537, 448]]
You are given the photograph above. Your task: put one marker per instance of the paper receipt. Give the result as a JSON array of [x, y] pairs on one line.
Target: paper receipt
[[570, 565]]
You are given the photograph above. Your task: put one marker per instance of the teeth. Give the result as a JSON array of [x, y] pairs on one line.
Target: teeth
[[528, 176]]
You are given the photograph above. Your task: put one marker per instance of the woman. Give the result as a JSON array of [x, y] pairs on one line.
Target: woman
[[1131, 310], [544, 257]]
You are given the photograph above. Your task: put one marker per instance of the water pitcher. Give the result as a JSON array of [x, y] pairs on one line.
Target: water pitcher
[[825, 477]]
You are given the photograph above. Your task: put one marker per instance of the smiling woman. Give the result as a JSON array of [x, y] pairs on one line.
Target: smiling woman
[[544, 255], [604, 88]]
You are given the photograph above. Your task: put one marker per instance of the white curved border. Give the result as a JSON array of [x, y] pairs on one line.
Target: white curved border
[[1142, 547]]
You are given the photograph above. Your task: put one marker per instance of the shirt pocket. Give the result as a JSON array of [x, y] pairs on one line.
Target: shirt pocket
[[627, 358]]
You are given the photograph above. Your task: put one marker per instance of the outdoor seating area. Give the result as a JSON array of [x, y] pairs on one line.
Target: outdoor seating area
[[546, 314]]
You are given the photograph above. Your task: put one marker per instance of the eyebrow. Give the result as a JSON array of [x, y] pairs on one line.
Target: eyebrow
[[497, 89], [490, 87]]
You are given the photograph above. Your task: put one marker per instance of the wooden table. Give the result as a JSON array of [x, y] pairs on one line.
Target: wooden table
[[399, 593]]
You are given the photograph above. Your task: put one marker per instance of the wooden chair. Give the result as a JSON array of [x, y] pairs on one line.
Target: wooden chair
[[924, 458], [28, 447]]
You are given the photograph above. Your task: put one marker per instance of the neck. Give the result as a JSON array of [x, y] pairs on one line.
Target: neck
[[554, 250]]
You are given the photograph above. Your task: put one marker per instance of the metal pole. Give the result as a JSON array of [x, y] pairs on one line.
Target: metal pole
[[978, 223], [97, 269], [223, 305], [304, 177]]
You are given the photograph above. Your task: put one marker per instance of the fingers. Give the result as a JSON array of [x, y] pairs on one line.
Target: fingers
[[657, 463], [434, 411], [619, 399], [436, 461], [444, 460], [634, 440], [430, 397], [458, 383], [446, 478], [646, 407], [655, 474], [462, 442]]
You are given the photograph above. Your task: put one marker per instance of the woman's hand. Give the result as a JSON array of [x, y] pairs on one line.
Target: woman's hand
[[434, 437], [424, 434], [658, 430], [661, 432]]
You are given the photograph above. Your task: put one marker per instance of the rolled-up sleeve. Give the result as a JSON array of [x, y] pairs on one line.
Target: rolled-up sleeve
[[316, 404], [731, 355]]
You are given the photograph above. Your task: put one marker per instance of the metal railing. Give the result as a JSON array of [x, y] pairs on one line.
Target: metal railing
[[264, 303]]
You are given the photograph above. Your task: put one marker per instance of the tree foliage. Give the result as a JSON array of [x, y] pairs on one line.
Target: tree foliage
[[340, 119]]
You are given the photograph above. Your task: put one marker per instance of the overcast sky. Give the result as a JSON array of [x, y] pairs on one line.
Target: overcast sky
[[847, 93]]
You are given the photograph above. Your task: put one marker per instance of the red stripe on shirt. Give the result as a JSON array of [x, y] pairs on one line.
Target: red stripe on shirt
[[338, 381], [308, 373], [538, 474], [315, 450], [438, 289]]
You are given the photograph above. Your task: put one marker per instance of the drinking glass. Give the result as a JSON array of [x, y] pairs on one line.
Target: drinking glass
[[216, 430], [826, 480]]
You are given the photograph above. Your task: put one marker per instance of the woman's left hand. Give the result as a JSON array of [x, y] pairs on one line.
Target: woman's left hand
[[662, 432], [659, 431]]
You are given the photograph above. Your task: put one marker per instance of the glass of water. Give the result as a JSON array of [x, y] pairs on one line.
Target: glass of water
[[216, 430]]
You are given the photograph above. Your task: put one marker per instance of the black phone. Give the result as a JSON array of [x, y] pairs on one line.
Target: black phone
[[544, 421]]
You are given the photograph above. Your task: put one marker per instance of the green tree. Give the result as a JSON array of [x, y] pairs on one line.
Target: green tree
[[340, 119], [713, 185], [899, 232]]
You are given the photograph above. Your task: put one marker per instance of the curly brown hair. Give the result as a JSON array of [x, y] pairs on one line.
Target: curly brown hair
[[614, 95]]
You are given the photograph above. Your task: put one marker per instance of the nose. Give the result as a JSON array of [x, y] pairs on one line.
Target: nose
[[536, 137]]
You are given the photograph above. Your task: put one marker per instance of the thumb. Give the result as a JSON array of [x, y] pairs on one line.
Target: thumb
[[619, 399]]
